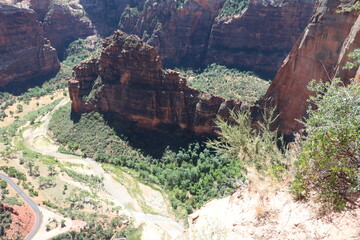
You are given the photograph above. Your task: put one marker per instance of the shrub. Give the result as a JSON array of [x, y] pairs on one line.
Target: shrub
[[330, 158], [256, 149]]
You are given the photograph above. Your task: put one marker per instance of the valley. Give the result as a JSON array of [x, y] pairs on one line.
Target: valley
[[179, 119]]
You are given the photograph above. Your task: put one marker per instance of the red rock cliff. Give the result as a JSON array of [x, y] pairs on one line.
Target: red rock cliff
[[128, 81], [320, 54], [24, 52], [261, 36]]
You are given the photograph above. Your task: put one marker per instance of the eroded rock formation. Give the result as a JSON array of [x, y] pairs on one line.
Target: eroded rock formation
[[24, 52], [257, 39], [260, 37], [186, 33], [128, 82], [64, 23], [320, 54]]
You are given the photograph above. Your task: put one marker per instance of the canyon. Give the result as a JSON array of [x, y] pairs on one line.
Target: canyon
[[320, 54], [128, 82], [193, 33]]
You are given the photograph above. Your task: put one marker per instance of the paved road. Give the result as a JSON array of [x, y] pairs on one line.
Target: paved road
[[31, 203]]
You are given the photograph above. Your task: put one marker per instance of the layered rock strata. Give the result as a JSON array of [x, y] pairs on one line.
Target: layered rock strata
[[179, 33], [128, 82], [65, 23], [196, 33], [319, 54], [260, 37], [24, 52]]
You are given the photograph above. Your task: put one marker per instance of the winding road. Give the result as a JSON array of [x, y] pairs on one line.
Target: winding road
[[31, 203]]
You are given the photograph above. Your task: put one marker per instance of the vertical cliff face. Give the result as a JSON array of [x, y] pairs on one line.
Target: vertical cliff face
[[179, 33], [128, 82], [257, 39], [24, 52], [64, 23], [261, 36], [186, 33], [320, 54]]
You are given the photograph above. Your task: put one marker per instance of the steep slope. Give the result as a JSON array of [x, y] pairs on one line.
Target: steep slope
[[24, 52], [261, 36], [128, 83], [194, 33], [180, 33], [320, 54], [187, 33], [62, 21]]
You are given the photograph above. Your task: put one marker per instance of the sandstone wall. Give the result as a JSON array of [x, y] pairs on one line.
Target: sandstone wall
[[320, 54], [24, 52], [260, 37]]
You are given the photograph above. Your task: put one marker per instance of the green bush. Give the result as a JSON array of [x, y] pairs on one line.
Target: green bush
[[329, 161], [232, 7], [255, 148]]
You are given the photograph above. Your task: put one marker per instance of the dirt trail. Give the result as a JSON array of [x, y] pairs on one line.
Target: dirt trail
[[166, 226]]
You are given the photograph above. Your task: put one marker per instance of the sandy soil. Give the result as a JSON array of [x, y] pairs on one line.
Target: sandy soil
[[23, 220], [44, 100], [48, 216], [252, 214]]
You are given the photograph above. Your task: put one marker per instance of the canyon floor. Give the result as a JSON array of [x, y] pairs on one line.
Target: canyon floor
[[160, 224], [261, 210]]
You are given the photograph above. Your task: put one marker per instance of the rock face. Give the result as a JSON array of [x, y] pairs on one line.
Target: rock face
[[184, 33], [64, 23], [195, 34], [128, 82], [24, 52], [320, 54], [261, 36], [180, 34]]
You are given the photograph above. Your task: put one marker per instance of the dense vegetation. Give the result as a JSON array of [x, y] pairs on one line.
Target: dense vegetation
[[232, 7], [5, 221], [99, 229], [330, 158], [226, 82], [192, 175]]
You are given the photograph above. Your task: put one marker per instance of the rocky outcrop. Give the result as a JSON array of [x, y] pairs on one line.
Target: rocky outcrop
[[128, 82], [260, 37], [320, 54], [24, 52], [64, 23]]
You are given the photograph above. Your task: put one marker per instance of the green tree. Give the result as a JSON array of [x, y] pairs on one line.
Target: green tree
[[19, 108], [330, 158]]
